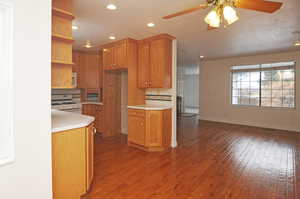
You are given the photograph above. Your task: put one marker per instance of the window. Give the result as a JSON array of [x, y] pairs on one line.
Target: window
[[265, 85]]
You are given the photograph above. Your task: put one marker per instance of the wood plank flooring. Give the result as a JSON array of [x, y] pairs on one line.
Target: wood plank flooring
[[213, 161]]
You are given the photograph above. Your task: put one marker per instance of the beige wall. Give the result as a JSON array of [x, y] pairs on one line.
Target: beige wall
[[215, 102]]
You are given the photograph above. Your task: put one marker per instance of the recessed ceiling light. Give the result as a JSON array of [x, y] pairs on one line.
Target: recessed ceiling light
[[201, 56], [112, 37], [111, 6], [150, 24], [88, 44], [74, 27], [297, 43]]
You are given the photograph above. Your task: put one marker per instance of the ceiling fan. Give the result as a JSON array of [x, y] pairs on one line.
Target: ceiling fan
[[224, 10]]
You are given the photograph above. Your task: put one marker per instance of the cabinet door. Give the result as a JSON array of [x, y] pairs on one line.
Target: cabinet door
[[136, 130], [89, 109], [120, 56], [108, 58], [68, 150], [100, 63], [90, 155], [79, 68], [92, 71], [154, 131], [99, 118], [143, 65], [76, 66], [161, 64]]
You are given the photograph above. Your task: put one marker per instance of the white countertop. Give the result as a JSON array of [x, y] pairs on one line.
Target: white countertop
[[63, 121], [96, 103], [150, 107]]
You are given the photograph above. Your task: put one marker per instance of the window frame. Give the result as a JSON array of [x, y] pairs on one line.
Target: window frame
[[260, 80], [7, 153]]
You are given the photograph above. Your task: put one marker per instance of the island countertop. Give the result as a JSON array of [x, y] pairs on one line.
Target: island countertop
[[63, 121]]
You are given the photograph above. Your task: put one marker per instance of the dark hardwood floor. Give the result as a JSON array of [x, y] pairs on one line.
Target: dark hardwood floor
[[213, 161]]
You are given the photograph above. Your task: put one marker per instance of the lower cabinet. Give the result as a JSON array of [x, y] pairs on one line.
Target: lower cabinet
[[72, 162], [150, 130], [96, 111]]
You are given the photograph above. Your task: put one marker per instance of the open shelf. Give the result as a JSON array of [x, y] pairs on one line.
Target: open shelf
[[64, 87], [62, 13], [62, 38], [61, 62]]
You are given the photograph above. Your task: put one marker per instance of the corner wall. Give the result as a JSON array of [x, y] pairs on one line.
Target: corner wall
[[215, 99]]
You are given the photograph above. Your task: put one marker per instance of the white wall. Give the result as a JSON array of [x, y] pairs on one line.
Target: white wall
[[188, 88], [30, 175], [215, 103]]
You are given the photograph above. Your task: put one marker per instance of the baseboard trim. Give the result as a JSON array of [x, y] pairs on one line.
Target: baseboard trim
[[248, 124]]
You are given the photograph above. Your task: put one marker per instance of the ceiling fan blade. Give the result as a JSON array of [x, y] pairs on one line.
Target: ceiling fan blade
[[199, 7], [259, 5]]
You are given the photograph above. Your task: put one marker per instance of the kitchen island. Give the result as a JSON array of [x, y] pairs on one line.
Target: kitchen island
[[72, 154]]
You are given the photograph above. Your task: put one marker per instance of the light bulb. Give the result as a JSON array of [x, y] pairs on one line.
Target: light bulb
[[230, 14], [213, 19], [297, 43]]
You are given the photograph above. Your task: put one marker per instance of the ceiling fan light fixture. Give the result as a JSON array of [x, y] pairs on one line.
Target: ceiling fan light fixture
[[213, 18], [74, 27], [297, 43], [111, 6], [230, 14]]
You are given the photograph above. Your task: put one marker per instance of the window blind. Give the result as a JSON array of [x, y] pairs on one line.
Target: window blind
[[264, 67]]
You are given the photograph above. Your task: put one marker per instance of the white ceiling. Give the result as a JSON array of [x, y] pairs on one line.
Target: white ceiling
[[254, 33]]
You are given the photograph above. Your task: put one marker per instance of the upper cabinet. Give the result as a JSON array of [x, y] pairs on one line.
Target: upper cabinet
[[118, 55], [155, 62], [62, 42], [88, 66], [92, 70]]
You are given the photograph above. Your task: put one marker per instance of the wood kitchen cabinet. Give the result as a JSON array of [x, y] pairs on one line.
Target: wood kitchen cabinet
[[62, 41], [89, 156], [155, 62], [96, 111], [92, 70], [99, 124], [119, 55], [137, 127], [88, 66], [72, 162], [149, 130], [112, 103]]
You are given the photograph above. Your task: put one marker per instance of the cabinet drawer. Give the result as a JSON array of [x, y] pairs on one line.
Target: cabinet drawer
[[136, 112]]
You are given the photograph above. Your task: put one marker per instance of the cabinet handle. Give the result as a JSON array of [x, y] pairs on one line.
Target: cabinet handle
[[142, 124]]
